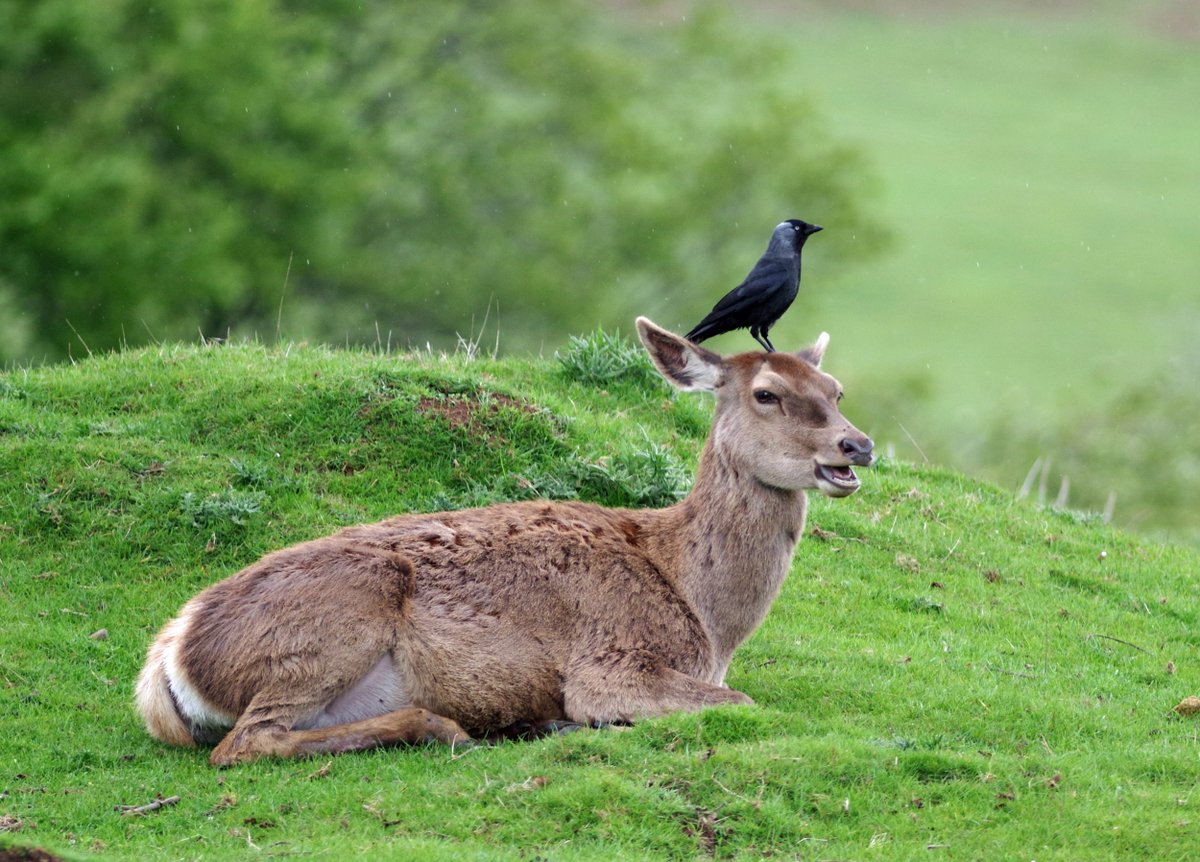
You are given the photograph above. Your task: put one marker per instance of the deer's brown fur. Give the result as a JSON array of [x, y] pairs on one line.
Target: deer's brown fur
[[458, 624]]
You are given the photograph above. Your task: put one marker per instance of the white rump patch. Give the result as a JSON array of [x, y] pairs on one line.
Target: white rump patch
[[193, 708]]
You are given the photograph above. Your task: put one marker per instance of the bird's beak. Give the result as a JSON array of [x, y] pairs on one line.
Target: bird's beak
[[813, 228]]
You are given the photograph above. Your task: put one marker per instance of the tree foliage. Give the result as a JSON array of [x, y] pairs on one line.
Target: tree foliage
[[192, 165]]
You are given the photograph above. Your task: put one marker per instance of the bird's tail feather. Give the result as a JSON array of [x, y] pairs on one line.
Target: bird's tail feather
[[699, 333]]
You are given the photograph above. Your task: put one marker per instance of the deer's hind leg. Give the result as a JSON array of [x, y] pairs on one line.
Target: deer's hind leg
[[624, 685], [410, 726], [299, 717], [307, 642]]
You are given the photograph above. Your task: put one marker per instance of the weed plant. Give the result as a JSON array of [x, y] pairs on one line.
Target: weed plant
[[606, 357]]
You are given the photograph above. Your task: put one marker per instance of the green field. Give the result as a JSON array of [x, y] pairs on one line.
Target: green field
[[948, 674], [1039, 173], [1038, 168]]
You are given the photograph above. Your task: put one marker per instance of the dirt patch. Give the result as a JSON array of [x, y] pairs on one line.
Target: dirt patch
[[470, 412], [705, 828], [27, 854]]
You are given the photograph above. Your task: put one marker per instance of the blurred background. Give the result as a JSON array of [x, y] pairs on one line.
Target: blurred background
[[1010, 191]]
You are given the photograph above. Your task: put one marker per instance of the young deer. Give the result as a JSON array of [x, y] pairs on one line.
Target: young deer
[[522, 616]]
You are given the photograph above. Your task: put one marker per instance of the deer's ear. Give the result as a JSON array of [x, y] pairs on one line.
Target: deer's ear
[[814, 353], [687, 366]]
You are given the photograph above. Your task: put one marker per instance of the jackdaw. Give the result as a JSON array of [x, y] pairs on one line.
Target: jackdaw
[[760, 300]]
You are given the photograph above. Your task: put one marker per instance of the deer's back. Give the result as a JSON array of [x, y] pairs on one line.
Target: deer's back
[[570, 574]]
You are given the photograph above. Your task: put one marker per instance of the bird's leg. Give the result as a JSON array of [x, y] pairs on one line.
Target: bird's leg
[[764, 341]]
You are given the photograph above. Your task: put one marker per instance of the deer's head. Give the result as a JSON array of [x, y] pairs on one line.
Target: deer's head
[[777, 416]]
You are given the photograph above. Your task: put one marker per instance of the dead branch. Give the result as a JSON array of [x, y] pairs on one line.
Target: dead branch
[[158, 803], [1117, 640]]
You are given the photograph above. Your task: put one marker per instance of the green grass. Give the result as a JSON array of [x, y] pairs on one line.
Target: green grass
[[948, 674]]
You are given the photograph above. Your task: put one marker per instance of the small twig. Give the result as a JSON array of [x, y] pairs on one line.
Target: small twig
[[829, 536], [158, 803], [461, 750], [149, 331], [282, 294], [913, 440], [995, 669], [320, 773], [731, 792], [80, 337], [496, 349], [1118, 640]]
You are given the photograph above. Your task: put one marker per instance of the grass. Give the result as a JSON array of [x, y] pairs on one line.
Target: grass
[[949, 673]]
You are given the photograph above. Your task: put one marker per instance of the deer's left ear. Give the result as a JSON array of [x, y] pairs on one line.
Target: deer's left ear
[[687, 366], [814, 353]]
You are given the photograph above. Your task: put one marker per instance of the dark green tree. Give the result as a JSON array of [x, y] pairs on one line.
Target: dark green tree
[[167, 168]]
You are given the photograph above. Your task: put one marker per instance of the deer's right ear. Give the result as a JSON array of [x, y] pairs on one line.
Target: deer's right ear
[[814, 353], [687, 366]]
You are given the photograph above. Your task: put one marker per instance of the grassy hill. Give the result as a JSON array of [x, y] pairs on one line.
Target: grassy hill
[[949, 673]]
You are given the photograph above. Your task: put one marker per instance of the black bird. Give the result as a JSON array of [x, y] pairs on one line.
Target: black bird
[[766, 292]]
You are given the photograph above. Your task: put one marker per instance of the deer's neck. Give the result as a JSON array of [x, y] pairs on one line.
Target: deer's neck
[[733, 540]]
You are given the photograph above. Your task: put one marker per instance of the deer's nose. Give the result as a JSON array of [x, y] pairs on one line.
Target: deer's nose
[[858, 450]]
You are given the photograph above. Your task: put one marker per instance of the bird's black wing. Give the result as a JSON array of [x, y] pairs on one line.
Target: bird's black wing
[[767, 277], [743, 306]]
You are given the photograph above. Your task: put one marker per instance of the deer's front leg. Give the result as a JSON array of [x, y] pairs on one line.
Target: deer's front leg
[[622, 685]]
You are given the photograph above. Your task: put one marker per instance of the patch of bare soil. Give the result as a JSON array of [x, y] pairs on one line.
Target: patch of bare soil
[[466, 412], [27, 854]]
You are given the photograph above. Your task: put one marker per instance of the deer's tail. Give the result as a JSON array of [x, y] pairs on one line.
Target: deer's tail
[[153, 696]]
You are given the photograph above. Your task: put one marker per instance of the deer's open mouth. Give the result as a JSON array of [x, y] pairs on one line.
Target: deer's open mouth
[[838, 481]]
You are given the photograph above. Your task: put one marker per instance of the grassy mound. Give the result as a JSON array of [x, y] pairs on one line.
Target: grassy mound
[[948, 673]]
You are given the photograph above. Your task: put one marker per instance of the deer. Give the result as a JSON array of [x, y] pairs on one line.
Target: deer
[[516, 618]]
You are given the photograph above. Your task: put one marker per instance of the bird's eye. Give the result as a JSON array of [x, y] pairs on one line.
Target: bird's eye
[[765, 396]]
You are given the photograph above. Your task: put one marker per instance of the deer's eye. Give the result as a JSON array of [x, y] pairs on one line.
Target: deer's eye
[[839, 398], [765, 396]]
